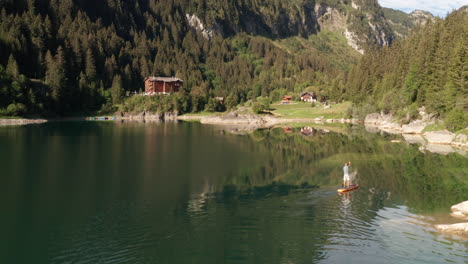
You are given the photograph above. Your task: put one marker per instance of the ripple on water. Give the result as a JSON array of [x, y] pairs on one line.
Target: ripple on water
[[300, 227]]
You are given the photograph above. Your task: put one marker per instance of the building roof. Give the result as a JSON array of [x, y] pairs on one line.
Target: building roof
[[307, 93], [286, 97], [164, 79]]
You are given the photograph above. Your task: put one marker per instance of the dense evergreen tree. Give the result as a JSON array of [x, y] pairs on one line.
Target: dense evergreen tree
[[117, 91], [74, 49], [12, 67], [427, 69]]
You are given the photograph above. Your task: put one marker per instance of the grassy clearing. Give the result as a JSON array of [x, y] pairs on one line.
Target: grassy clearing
[[203, 113], [305, 110]]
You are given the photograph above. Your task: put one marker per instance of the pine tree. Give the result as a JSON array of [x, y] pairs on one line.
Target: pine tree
[[12, 67], [412, 84], [90, 66], [117, 90], [55, 75]]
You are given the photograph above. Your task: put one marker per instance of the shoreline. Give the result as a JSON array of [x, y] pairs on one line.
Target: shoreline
[[441, 142], [434, 141], [262, 121], [21, 121], [415, 133]]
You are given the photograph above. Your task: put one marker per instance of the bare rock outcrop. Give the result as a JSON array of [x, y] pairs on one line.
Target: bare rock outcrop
[[146, 116], [384, 122], [234, 119], [439, 137], [460, 210], [460, 229], [380, 122], [414, 127]]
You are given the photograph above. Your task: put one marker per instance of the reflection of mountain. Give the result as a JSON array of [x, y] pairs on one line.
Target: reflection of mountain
[[425, 180], [184, 193]]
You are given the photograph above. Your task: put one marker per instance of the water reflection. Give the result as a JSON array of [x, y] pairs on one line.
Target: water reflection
[[177, 193]]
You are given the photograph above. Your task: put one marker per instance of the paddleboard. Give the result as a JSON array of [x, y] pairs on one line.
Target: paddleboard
[[350, 188]]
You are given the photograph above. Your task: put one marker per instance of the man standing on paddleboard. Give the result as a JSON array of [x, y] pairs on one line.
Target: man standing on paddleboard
[[346, 180]]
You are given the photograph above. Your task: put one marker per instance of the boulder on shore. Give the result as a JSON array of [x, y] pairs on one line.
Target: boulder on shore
[[460, 210], [460, 229], [413, 128]]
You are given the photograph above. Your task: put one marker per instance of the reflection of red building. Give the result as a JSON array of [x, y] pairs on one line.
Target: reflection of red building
[[307, 131], [162, 85], [286, 99]]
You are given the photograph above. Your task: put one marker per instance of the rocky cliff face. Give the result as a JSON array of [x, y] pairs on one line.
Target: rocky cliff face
[[402, 23], [270, 18], [361, 22], [420, 17]]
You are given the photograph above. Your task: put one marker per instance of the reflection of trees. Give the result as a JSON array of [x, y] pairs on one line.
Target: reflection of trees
[[424, 180]]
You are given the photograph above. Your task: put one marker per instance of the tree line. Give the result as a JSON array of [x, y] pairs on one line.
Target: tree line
[[429, 68], [68, 56], [73, 56]]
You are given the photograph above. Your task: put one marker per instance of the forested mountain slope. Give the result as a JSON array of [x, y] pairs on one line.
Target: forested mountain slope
[[402, 23], [67, 56], [429, 68]]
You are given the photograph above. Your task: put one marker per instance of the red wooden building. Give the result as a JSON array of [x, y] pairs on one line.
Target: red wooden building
[[162, 85]]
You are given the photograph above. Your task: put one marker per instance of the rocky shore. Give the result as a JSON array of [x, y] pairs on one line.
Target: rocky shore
[[441, 141], [232, 118], [146, 116], [15, 122], [266, 120], [459, 211]]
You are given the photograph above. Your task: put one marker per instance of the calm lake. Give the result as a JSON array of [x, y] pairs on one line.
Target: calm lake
[[112, 192]]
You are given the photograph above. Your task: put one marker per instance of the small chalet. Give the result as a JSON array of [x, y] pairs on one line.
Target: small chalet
[[162, 85], [308, 97], [287, 99]]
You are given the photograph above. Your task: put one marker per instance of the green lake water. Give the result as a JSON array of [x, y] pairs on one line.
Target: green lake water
[[112, 192]]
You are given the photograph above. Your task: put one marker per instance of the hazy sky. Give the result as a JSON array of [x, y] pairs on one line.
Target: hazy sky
[[436, 7]]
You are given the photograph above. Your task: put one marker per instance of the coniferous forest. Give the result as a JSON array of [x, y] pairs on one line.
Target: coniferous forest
[[429, 68], [73, 56], [61, 57]]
